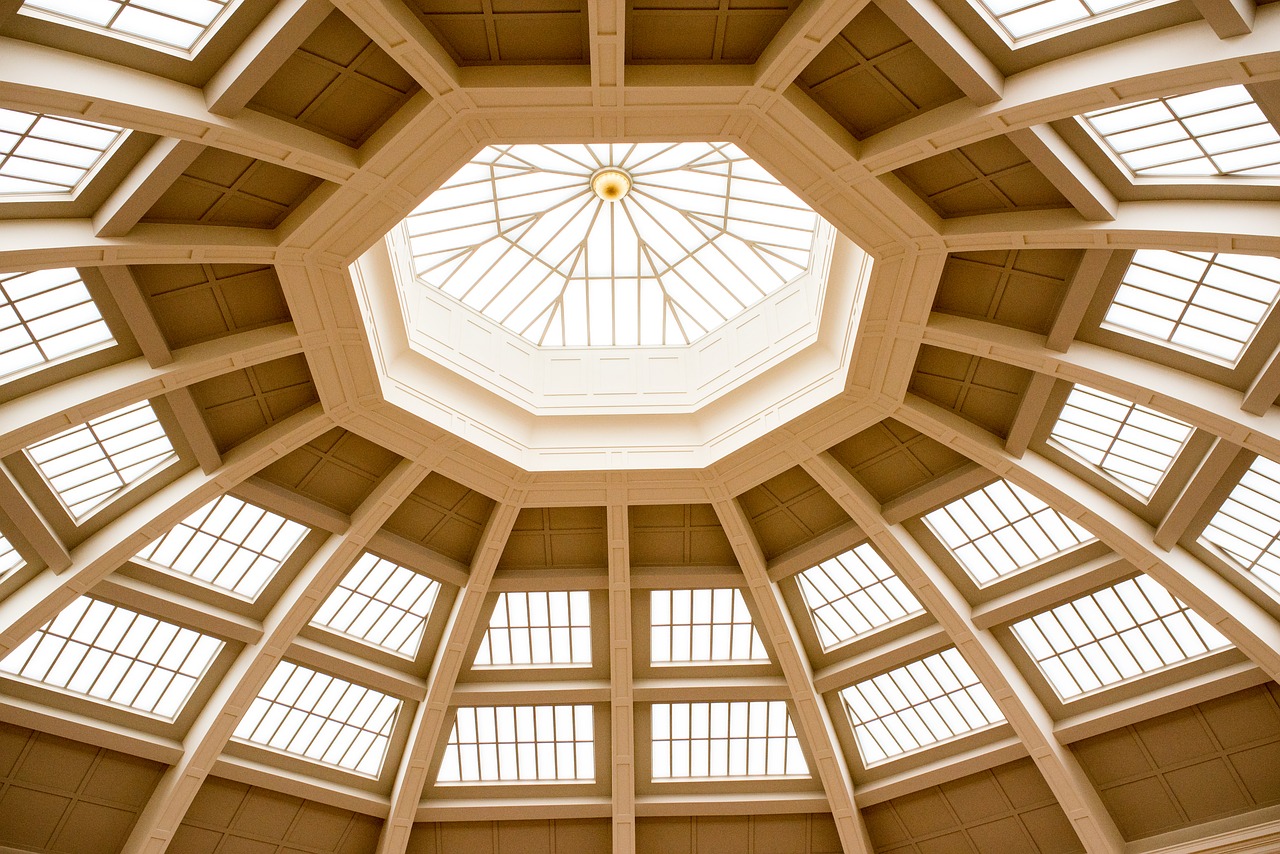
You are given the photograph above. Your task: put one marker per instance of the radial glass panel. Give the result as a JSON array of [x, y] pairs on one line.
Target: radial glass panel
[[382, 604], [853, 593], [720, 741], [691, 235], [520, 744], [1246, 529], [1130, 443], [926, 702], [1205, 303], [109, 653], [702, 627], [321, 718], [43, 155], [1126, 630], [1002, 528], [46, 315], [1215, 132], [538, 629], [178, 24]]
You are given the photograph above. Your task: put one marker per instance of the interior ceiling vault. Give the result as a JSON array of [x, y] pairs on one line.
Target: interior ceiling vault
[[216, 241]]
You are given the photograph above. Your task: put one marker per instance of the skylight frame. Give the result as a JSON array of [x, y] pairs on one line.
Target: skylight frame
[[858, 589], [193, 46], [737, 737], [930, 701], [520, 745], [537, 628], [41, 310], [137, 650], [1127, 456], [713, 626], [1062, 27], [11, 560], [1245, 530], [1128, 631], [1001, 529], [229, 544], [381, 603], [1179, 116], [299, 708], [29, 139], [1154, 275], [65, 459]]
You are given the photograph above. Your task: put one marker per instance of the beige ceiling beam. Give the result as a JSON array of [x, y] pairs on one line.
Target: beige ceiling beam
[[87, 730], [882, 657], [395, 29], [926, 24], [1229, 18], [123, 287], [74, 401], [9, 8], [1251, 628], [1084, 284], [23, 515], [1008, 687], [145, 184], [263, 53], [44, 596], [1199, 491], [944, 769], [1202, 403], [253, 666], [194, 429], [40, 244], [812, 719], [1262, 392], [1030, 412], [1169, 61], [607, 41], [34, 77], [429, 722], [808, 30], [1067, 171], [621, 677]]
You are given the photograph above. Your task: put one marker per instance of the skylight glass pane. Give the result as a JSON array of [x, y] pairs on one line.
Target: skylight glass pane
[[42, 155], [89, 464], [520, 744], [1216, 132], [112, 654], [701, 234], [10, 560], [1247, 526], [178, 24], [853, 593], [1131, 444], [1206, 303], [46, 315], [702, 627], [381, 603], [926, 702], [321, 718], [1002, 528], [721, 741], [1126, 630], [1020, 19], [538, 629], [229, 544]]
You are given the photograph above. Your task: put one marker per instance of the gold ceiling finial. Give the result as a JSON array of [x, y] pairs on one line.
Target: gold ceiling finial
[[611, 184]]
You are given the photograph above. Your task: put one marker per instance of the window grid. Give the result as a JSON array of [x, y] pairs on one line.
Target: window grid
[[725, 740], [1217, 132], [1024, 19], [50, 155], [538, 629], [46, 315], [229, 544], [709, 626], [920, 704], [1130, 443], [382, 604], [1127, 630], [178, 25], [88, 464], [322, 718], [520, 744], [1002, 528], [853, 593], [110, 653], [1205, 303], [1247, 527], [10, 560]]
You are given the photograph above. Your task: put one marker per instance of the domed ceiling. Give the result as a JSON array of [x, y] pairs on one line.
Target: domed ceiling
[[982, 560]]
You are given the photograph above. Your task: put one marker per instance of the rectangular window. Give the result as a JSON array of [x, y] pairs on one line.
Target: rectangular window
[[112, 654], [702, 627], [42, 155], [160, 23], [10, 560], [520, 744], [853, 593], [1020, 20], [381, 603], [1246, 529], [1126, 630], [722, 741], [45, 316], [538, 629]]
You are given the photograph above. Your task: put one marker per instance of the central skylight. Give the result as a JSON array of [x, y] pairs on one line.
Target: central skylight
[[611, 244]]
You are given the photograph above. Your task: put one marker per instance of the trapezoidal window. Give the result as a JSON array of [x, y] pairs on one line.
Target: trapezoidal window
[[1246, 529], [1127, 630], [538, 629], [177, 27], [702, 627], [725, 741], [854, 593], [46, 316], [109, 653], [520, 744], [50, 156], [382, 604]]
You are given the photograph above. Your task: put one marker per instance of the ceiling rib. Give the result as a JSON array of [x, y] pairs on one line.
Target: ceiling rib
[[621, 677]]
